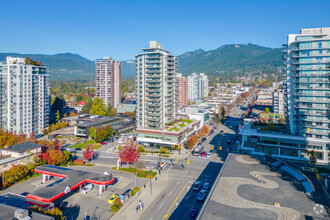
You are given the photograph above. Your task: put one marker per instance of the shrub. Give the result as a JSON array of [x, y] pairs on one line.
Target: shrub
[[120, 148], [134, 191], [117, 201], [78, 162], [141, 148], [114, 208], [163, 150]]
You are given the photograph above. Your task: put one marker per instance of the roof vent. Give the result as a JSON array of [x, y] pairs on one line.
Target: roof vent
[[22, 214]]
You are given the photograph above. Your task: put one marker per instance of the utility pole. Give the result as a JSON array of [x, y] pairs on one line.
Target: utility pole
[[150, 182]]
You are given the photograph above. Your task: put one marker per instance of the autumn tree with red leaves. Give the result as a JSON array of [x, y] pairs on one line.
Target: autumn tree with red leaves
[[89, 153], [191, 141], [129, 153]]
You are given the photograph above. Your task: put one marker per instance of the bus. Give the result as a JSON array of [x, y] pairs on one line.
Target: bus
[[197, 151]]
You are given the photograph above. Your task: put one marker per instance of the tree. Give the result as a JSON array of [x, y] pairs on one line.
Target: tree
[[79, 98], [312, 157], [57, 116], [129, 153], [103, 133], [58, 104], [266, 110], [88, 153], [109, 108], [87, 107], [97, 107], [191, 141], [282, 121], [92, 132], [134, 113]]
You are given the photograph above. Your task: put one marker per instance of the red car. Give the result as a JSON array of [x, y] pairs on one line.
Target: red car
[[203, 154], [103, 143]]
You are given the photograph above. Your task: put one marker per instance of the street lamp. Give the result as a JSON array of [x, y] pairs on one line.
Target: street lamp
[[150, 182]]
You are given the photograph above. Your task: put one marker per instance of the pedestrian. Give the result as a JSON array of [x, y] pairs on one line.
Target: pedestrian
[[144, 186], [156, 178], [142, 205], [137, 209]]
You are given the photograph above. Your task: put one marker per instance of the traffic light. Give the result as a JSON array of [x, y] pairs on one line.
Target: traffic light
[[177, 160], [188, 161], [220, 148], [212, 147]]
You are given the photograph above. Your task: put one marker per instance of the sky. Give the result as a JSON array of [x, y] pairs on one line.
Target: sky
[[100, 28]]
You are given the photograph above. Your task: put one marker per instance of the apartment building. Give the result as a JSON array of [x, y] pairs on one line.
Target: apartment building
[[278, 102], [155, 87], [197, 86], [24, 96], [307, 57], [183, 91], [108, 80]]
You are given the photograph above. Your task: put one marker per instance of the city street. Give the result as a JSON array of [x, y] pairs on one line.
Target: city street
[[178, 197]]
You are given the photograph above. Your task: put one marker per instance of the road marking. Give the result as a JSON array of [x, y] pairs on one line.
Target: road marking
[[178, 182], [161, 206], [165, 165], [170, 193], [170, 167], [169, 210]]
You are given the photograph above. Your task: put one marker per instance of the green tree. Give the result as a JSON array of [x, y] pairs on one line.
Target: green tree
[[57, 117], [92, 132], [266, 110], [58, 104], [87, 107], [98, 108], [134, 113], [109, 108], [79, 98]]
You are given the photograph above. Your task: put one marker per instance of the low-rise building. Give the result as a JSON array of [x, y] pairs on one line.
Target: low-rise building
[[18, 154], [281, 144], [127, 105], [119, 124], [172, 135], [197, 113]]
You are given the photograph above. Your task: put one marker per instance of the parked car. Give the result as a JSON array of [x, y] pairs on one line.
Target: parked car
[[197, 185], [113, 198], [193, 212], [78, 149], [208, 155], [211, 151], [201, 195], [103, 143], [229, 142], [206, 185], [87, 188], [221, 132], [203, 154], [204, 139]]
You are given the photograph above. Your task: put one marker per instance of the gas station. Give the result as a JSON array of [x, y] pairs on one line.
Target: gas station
[[70, 180]]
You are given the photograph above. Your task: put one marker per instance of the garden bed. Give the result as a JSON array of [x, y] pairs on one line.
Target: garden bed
[[140, 173]]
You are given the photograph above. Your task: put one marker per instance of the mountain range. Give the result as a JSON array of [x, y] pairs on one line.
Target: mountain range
[[227, 59]]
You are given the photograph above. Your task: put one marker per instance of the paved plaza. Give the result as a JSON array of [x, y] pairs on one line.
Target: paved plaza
[[248, 189]]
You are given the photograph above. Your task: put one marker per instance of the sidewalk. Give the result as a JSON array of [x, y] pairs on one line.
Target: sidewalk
[[128, 211]]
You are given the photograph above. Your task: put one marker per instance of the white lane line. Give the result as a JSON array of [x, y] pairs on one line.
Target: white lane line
[[170, 168], [165, 166], [170, 193], [161, 206], [178, 182]]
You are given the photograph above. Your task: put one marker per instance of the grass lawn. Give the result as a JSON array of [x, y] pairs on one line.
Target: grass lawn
[[140, 173]]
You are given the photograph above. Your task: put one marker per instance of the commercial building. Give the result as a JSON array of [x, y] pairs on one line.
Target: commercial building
[[18, 154], [198, 86], [156, 87], [119, 124], [171, 136], [24, 96], [108, 81], [281, 144], [196, 113], [183, 91], [278, 102], [307, 57]]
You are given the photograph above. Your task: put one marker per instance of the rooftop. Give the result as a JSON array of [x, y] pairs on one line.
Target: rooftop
[[88, 122], [22, 147], [248, 189], [70, 178]]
